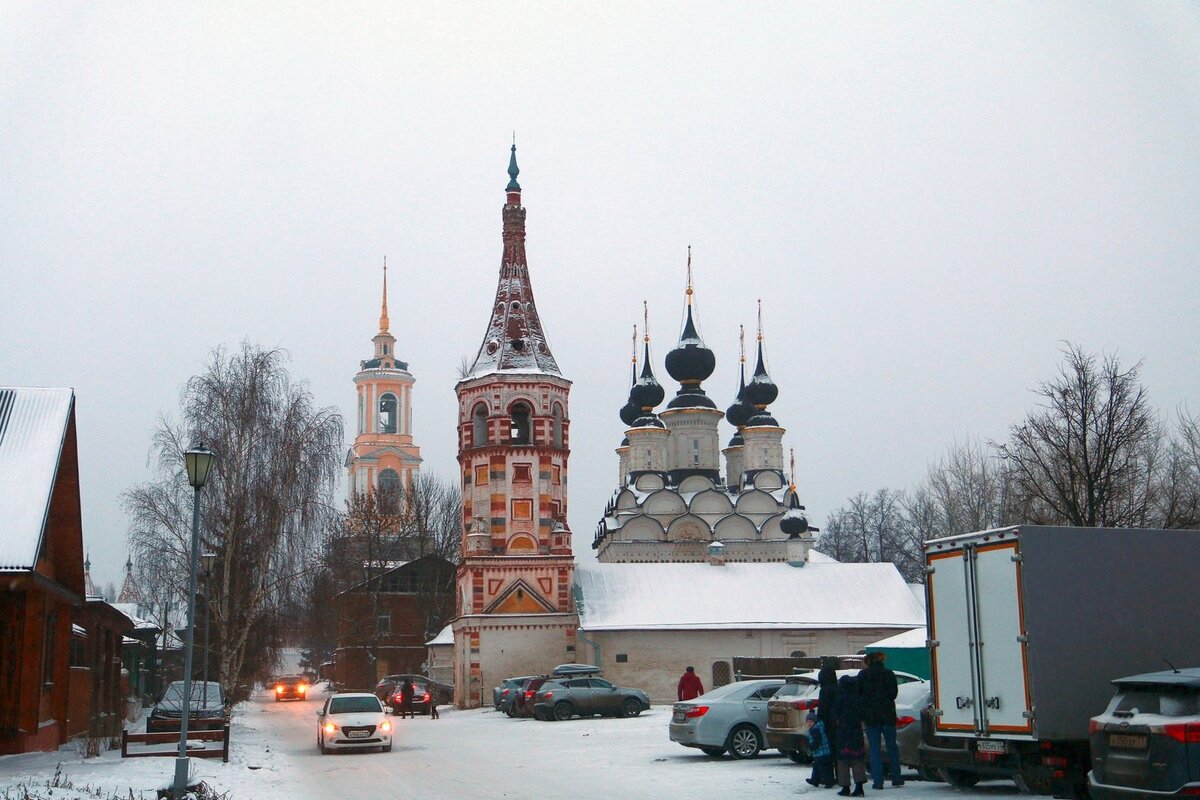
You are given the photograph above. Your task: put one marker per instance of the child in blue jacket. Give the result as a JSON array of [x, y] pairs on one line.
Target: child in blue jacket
[[821, 752]]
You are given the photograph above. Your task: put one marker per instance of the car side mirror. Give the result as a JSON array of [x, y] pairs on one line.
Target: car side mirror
[[320, 713]]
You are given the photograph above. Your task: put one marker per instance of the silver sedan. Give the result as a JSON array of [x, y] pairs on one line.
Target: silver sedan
[[732, 717]]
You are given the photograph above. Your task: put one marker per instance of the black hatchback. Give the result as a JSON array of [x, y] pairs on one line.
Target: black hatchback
[[1147, 742]]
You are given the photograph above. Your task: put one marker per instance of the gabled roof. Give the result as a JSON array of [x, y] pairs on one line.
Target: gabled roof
[[445, 636], [33, 427], [700, 596]]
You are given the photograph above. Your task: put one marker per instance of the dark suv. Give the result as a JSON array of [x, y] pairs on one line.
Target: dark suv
[[1147, 742]]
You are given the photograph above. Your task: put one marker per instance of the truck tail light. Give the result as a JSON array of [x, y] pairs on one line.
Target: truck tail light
[[1184, 733], [695, 711]]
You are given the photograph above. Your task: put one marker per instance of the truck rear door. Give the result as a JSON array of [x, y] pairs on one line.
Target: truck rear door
[[1000, 624], [979, 665], [953, 658]]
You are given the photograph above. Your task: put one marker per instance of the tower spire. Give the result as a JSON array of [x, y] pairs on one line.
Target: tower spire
[[689, 276], [383, 312], [513, 169]]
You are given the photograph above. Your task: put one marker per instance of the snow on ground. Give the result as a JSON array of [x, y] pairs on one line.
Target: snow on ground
[[465, 754]]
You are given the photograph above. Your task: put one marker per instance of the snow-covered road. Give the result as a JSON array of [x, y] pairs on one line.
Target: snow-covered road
[[466, 754]]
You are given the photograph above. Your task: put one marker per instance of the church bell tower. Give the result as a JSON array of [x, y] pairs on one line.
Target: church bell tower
[[514, 608]]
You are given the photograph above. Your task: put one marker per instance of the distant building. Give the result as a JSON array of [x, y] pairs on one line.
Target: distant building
[[515, 613], [383, 455]]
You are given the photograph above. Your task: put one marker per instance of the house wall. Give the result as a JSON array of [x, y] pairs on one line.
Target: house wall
[[656, 658], [40, 672], [490, 648]]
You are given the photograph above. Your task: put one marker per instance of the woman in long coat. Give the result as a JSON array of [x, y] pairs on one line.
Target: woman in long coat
[[849, 746]]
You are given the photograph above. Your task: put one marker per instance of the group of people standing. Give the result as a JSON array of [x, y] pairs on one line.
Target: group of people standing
[[847, 709]]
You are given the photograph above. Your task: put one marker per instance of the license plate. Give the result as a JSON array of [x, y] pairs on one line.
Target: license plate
[[991, 746], [678, 716], [357, 734], [777, 719], [1127, 740]]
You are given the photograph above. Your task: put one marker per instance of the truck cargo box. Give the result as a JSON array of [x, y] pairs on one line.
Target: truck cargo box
[[1029, 624]]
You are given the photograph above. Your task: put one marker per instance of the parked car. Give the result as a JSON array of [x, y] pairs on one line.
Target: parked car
[[423, 694], [1147, 741], [352, 721], [788, 708], [506, 687], [290, 687], [732, 717], [206, 709], [523, 702], [563, 698]]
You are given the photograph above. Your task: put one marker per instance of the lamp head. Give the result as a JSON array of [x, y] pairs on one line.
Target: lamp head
[[207, 560], [199, 460]]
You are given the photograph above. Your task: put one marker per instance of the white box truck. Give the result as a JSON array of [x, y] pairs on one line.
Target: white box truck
[[1027, 627]]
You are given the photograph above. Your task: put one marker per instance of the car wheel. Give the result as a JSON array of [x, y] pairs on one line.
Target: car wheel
[[509, 712], [321, 744], [797, 756], [743, 742], [563, 711], [713, 752], [387, 748], [631, 708], [928, 774], [957, 777]]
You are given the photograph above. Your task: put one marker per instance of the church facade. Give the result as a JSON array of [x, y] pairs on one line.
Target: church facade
[[515, 613]]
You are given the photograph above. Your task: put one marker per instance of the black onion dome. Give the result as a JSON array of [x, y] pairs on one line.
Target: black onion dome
[[647, 392], [761, 391], [762, 419], [648, 420], [740, 412], [794, 523], [630, 412], [690, 361], [736, 440]]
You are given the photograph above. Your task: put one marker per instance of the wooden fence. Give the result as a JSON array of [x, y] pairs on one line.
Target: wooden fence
[[172, 738]]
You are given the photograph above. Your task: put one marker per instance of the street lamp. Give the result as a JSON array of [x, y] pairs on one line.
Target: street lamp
[[207, 560], [199, 461]]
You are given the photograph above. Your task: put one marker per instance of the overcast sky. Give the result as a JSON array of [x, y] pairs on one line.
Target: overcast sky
[[929, 199]]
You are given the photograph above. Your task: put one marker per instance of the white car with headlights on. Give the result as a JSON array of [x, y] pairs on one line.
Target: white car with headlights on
[[353, 720]]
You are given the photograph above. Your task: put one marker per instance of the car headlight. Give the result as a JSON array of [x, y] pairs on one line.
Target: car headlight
[[330, 727], [386, 726]]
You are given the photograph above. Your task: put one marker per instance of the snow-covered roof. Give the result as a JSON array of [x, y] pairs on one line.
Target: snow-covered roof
[[130, 610], [33, 424], [914, 638], [819, 595], [445, 636]]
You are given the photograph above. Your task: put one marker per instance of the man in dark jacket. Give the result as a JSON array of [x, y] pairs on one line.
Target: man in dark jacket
[[827, 679], [878, 686], [690, 686]]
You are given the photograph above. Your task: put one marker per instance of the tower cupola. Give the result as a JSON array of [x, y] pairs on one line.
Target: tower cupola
[[761, 391], [741, 411], [647, 392], [631, 410], [691, 362]]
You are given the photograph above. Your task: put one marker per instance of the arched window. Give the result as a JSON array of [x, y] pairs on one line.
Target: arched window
[[521, 431], [389, 491], [479, 426], [558, 425], [387, 413]]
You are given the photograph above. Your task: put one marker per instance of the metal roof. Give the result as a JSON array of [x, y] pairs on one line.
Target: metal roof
[[33, 425]]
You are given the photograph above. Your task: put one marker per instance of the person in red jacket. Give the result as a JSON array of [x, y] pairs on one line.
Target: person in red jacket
[[690, 686]]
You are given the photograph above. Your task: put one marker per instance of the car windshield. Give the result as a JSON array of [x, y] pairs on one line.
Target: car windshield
[[1166, 701], [212, 696], [353, 705]]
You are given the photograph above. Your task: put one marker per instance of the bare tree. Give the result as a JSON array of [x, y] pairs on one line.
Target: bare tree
[[1088, 455], [263, 507], [873, 528], [967, 490]]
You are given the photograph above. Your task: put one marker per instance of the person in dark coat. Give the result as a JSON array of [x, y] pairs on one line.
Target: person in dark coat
[[827, 679], [878, 687], [690, 687], [848, 746], [406, 698]]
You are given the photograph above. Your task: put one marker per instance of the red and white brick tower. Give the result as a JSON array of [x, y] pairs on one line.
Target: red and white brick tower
[[515, 614]]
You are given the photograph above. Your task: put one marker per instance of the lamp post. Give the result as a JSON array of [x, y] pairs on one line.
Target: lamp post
[[199, 461], [207, 560]]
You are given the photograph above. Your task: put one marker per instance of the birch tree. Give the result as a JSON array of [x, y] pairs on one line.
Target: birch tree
[[264, 506]]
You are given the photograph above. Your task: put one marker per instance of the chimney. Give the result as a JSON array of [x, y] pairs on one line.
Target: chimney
[[716, 554]]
